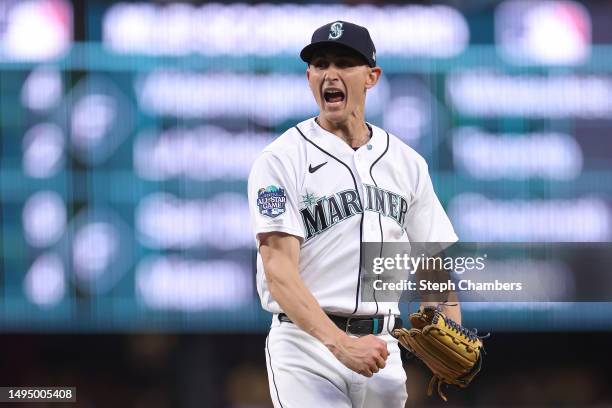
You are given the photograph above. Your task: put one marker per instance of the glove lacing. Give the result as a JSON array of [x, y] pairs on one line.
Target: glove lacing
[[469, 334]]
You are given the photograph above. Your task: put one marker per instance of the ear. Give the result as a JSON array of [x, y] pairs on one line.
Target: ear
[[308, 72], [373, 77]]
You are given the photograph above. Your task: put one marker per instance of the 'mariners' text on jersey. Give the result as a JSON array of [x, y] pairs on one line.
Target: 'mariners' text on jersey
[[319, 214]]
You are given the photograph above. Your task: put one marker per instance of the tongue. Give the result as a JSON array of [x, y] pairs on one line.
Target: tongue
[[335, 98]]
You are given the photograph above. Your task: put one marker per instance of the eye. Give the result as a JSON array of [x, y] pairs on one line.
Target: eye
[[319, 63]]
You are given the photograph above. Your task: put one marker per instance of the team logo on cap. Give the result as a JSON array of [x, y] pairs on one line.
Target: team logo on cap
[[335, 31], [271, 201]]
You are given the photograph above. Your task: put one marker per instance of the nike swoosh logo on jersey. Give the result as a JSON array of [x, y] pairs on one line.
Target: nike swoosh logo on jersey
[[315, 168]]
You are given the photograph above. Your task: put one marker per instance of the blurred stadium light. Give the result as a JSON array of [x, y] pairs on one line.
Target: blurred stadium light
[[35, 30], [267, 29], [488, 156], [528, 31]]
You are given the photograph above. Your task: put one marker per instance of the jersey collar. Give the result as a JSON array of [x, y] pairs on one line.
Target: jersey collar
[[334, 145]]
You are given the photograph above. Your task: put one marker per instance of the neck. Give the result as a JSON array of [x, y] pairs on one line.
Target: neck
[[354, 132]]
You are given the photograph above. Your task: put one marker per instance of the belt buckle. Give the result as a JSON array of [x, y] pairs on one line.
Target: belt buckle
[[348, 327]]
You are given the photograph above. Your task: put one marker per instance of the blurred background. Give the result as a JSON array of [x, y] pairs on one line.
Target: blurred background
[[127, 134]]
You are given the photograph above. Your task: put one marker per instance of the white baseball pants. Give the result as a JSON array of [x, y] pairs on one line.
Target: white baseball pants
[[303, 373]]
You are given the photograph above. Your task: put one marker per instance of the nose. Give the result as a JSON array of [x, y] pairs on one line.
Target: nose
[[331, 73]]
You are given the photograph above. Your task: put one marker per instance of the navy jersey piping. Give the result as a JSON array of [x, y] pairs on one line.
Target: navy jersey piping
[[362, 211], [382, 239]]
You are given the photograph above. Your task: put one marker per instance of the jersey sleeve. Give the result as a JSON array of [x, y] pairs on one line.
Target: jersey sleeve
[[273, 197], [426, 220]]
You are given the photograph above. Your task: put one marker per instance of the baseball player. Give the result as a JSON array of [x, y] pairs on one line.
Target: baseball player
[[316, 193]]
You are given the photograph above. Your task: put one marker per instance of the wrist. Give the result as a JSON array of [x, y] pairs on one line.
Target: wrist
[[334, 340]]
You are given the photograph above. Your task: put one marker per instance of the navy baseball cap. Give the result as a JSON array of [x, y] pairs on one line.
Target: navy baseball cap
[[349, 35]]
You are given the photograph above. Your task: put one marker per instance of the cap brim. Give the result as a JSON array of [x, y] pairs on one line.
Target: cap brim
[[309, 50]]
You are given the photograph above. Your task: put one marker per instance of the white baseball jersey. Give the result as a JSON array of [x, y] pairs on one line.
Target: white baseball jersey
[[311, 184]]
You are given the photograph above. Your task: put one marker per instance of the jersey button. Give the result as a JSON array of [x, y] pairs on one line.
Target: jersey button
[[369, 147]]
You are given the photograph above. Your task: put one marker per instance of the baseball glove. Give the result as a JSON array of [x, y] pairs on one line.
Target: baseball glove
[[452, 352]]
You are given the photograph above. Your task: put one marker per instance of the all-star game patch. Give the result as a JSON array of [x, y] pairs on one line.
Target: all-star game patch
[[271, 201]]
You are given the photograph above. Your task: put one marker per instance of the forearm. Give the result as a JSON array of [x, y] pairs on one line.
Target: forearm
[[450, 308], [294, 298]]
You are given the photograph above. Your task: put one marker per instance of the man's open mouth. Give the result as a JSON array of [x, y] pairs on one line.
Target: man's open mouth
[[333, 95]]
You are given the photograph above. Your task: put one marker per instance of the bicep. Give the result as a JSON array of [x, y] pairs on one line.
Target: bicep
[[278, 247]]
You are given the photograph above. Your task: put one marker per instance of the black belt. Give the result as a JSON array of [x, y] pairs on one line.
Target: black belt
[[359, 325]]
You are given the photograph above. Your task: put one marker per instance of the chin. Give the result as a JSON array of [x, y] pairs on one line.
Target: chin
[[335, 117]]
